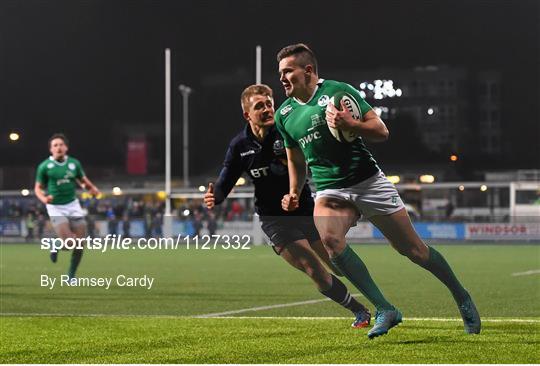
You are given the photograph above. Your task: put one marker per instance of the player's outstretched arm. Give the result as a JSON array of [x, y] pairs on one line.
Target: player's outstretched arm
[[89, 186], [372, 128], [227, 179], [40, 194], [228, 176]]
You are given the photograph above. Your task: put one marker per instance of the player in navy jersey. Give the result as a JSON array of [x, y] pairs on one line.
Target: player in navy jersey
[[258, 150]]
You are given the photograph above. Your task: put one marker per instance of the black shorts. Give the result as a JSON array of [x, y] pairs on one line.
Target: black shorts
[[283, 230]]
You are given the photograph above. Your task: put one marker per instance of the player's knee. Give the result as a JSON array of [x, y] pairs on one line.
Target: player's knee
[[67, 235], [331, 240], [79, 229], [416, 253], [333, 243]]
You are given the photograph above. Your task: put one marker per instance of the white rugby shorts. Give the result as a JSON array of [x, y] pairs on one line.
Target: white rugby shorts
[[373, 196], [71, 211]]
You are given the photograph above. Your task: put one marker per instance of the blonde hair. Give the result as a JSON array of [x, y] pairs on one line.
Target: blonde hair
[[256, 89]]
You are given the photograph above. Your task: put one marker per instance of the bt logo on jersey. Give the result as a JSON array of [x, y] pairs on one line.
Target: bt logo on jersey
[[260, 172]]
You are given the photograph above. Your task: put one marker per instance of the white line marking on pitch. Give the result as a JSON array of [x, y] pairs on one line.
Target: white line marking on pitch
[[526, 273], [210, 315], [223, 315], [267, 307], [488, 320]]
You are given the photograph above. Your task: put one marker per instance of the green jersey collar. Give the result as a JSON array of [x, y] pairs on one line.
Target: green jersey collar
[[57, 162], [319, 83]]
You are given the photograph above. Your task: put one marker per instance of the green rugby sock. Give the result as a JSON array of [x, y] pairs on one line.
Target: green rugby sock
[[75, 260], [356, 271], [440, 268]]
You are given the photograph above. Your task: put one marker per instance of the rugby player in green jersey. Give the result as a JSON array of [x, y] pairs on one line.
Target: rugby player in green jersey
[[59, 176], [349, 183]]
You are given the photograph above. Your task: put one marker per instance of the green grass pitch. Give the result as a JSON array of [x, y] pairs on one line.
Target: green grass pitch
[[160, 325]]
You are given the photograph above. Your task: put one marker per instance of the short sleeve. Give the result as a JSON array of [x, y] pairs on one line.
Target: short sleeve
[[364, 106], [287, 139], [41, 174]]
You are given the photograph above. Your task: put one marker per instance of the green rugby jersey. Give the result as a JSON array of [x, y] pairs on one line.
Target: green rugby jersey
[[333, 164], [59, 178]]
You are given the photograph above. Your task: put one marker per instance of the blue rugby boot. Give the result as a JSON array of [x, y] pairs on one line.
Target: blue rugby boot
[[384, 321], [363, 319], [471, 318]]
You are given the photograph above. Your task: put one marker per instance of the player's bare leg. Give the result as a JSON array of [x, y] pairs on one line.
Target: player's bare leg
[[319, 248], [300, 255], [63, 231], [398, 229], [79, 229], [333, 218]]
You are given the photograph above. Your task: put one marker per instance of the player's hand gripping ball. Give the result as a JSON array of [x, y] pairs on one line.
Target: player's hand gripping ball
[[338, 101]]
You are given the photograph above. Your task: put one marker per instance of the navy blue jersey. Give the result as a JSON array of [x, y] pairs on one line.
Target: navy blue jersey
[[265, 163]]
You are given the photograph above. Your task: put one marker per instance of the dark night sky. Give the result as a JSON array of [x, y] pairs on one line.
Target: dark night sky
[[90, 67]]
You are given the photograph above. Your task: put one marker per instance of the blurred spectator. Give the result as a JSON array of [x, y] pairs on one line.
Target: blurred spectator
[[41, 221], [148, 223], [91, 225], [236, 211], [29, 226], [126, 226], [212, 223], [197, 223], [112, 223], [449, 209], [157, 224]]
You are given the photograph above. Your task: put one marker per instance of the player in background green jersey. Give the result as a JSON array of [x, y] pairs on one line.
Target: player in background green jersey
[[349, 183], [57, 178]]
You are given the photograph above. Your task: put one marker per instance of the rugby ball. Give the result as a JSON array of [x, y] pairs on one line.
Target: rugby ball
[[353, 107]]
